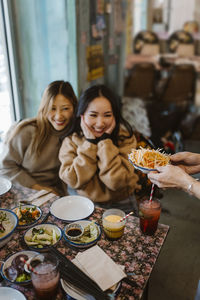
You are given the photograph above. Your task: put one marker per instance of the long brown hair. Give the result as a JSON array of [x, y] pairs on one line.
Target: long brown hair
[[43, 127]]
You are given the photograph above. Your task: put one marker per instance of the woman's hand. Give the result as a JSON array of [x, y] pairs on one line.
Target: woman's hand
[[189, 162], [86, 130], [112, 126], [169, 176]]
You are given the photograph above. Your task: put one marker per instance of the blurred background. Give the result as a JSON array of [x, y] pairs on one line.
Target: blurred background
[[84, 42]]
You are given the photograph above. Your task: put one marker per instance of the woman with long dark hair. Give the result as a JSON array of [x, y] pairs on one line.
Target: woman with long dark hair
[[94, 155]]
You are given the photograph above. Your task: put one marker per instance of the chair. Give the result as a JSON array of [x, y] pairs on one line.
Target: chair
[[146, 43], [173, 103], [180, 85], [182, 43], [141, 81]]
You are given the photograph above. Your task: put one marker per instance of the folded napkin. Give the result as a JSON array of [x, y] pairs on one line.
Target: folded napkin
[[99, 267], [37, 195], [43, 199]]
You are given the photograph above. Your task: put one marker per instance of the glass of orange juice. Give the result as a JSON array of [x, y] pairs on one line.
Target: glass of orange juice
[[112, 226]]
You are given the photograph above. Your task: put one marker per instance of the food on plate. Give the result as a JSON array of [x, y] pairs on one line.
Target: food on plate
[[16, 271], [42, 237], [5, 224], [149, 158], [27, 215], [90, 234]]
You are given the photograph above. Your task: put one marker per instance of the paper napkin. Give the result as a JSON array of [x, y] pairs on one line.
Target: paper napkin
[[99, 267]]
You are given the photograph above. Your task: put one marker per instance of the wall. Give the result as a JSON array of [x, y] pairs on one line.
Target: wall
[[101, 24]]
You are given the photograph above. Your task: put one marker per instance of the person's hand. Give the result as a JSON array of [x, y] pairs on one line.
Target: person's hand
[[86, 130], [169, 176], [112, 126], [189, 162]]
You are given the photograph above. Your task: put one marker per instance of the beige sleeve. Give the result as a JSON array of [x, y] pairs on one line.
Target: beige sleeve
[[12, 158], [115, 171], [78, 162]]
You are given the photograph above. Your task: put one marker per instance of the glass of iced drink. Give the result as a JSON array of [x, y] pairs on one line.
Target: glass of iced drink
[[112, 226], [45, 276], [149, 214]]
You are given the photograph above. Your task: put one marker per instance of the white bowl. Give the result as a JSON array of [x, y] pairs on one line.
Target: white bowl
[[8, 262], [29, 206], [72, 208], [9, 224], [48, 226]]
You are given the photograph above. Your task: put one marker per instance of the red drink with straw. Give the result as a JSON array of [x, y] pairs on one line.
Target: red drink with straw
[[45, 277], [149, 213]]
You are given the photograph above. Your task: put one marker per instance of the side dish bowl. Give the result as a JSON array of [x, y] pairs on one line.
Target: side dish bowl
[[8, 224], [13, 268], [28, 215], [42, 236]]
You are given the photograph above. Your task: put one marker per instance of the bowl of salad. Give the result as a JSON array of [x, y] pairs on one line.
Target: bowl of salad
[[14, 269], [8, 224], [42, 236], [28, 215]]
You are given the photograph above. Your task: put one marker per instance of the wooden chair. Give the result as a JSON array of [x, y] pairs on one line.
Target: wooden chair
[[140, 82], [180, 86]]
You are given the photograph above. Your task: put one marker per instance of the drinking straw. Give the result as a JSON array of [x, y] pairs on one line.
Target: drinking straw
[[29, 267], [125, 217], [151, 195]]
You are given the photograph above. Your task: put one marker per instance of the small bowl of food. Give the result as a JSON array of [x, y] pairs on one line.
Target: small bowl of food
[[8, 224], [14, 269], [91, 234], [74, 231], [146, 160], [42, 236], [28, 215]]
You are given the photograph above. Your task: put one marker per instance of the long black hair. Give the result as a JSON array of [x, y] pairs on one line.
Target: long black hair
[[87, 97]]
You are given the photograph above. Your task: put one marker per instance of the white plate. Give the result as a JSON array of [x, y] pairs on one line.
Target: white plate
[[8, 293], [83, 223], [5, 185], [72, 208], [73, 293]]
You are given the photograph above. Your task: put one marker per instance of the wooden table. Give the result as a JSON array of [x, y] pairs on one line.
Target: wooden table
[[137, 252]]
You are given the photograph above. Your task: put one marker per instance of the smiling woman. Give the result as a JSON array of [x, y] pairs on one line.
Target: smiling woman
[[94, 155], [30, 155]]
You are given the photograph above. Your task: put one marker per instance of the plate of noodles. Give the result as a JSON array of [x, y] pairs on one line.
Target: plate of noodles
[[147, 160]]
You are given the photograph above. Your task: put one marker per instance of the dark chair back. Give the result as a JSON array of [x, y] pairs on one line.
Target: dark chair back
[[141, 81], [180, 86]]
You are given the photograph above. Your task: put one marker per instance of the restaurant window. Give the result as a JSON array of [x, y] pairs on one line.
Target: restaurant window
[[8, 108], [139, 16]]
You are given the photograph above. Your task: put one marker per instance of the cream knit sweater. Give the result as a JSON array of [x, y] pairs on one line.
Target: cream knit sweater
[[21, 166], [100, 172]]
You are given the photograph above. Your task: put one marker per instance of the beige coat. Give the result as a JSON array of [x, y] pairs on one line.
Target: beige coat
[[100, 172]]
